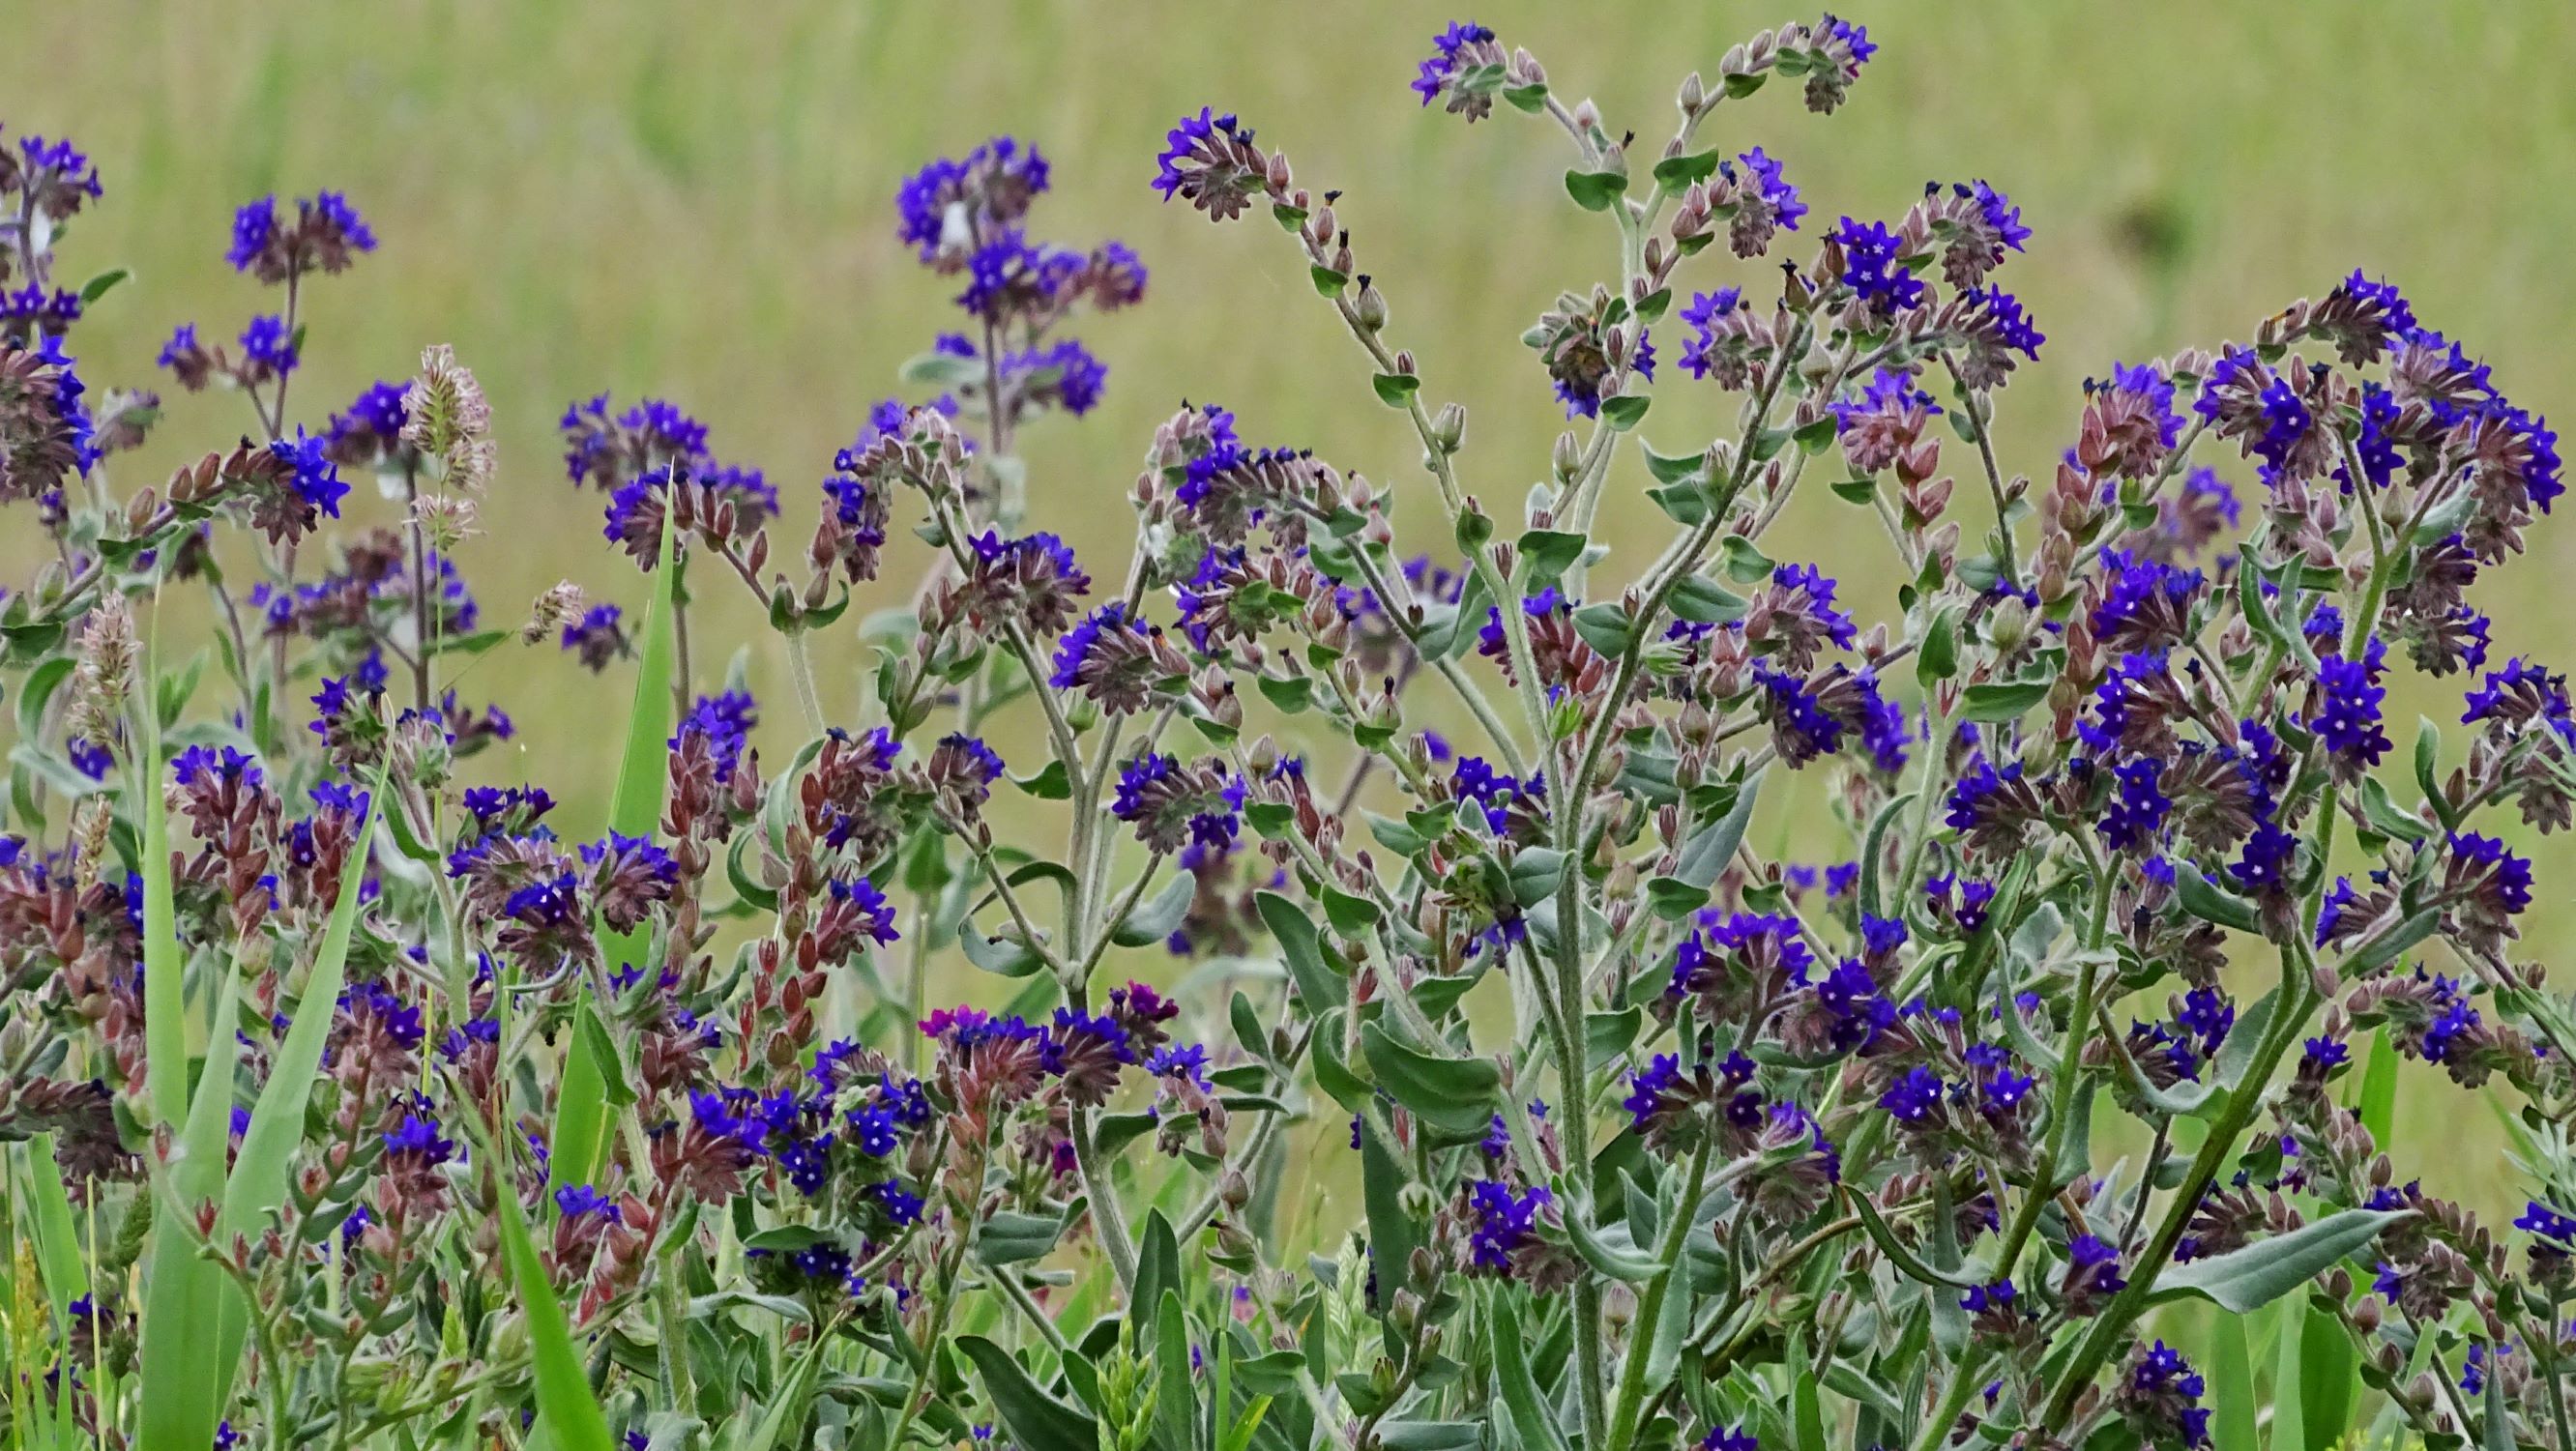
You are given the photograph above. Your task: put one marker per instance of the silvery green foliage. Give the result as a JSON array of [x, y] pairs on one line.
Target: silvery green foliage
[[1654, 1138]]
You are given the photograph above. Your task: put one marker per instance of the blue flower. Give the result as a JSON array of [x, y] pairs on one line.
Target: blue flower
[[1449, 53], [725, 722], [2349, 697], [1913, 1098], [1874, 265], [1503, 1221]]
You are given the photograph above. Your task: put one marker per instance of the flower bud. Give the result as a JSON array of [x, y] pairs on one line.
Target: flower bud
[[1449, 428], [1371, 306]]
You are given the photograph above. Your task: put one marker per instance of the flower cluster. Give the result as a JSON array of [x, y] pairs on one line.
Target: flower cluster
[[437, 1108]]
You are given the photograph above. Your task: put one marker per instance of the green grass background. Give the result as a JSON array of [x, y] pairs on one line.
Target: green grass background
[[694, 200]]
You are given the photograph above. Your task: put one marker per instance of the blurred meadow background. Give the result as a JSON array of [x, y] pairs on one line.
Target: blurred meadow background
[[694, 201]]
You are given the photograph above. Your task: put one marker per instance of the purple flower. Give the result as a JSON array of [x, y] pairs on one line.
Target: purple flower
[[2348, 697], [267, 343], [254, 226], [1874, 266], [1172, 805], [875, 914], [1210, 161], [1464, 45], [2136, 811], [1774, 189], [724, 722], [2548, 1223], [1915, 1097], [1064, 374], [1504, 1221]]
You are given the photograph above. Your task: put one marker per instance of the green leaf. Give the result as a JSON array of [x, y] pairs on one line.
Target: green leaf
[[262, 1167], [2289, 1406], [1551, 552], [1938, 659], [2244, 1280], [184, 1378], [1291, 695], [1873, 855], [1350, 915], [1675, 469], [1595, 191], [2428, 769], [568, 1411], [1455, 1095], [2328, 1373], [1626, 410], [99, 286], [1321, 983], [2206, 900], [581, 1108], [1703, 601], [1158, 1268], [1676, 173], [1003, 959], [1009, 1237], [1392, 1233], [1038, 1421], [1532, 1423], [2378, 1107], [1050, 784], [2393, 944], [1996, 703], [1706, 854], [1396, 389], [1604, 627], [1806, 1412], [1158, 919], [2231, 1401], [1610, 1250], [1175, 1399]]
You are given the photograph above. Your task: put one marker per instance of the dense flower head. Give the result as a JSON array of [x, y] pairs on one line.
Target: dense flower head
[[1806, 894], [1463, 47], [1209, 160], [1173, 805], [324, 235], [724, 721], [941, 208], [1874, 265], [2349, 696], [54, 177]]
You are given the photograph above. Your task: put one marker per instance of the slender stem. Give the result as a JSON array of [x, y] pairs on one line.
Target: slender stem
[[420, 682], [2298, 1001], [1106, 1218], [800, 668], [1632, 1376], [1981, 407]]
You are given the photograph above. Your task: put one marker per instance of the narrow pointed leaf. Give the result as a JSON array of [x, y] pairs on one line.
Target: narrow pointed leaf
[[581, 1109]]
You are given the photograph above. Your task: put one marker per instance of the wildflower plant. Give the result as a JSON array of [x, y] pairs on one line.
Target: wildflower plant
[[365, 1099]]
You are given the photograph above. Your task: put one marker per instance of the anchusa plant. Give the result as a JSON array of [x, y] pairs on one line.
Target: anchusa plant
[[364, 1098]]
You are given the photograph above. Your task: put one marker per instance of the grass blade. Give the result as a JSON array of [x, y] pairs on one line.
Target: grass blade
[[58, 1251], [2377, 1109], [2231, 1373], [2289, 1418], [184, 1375], [261, 1169], [565, 1407], [581, 1105], [165, 990]]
